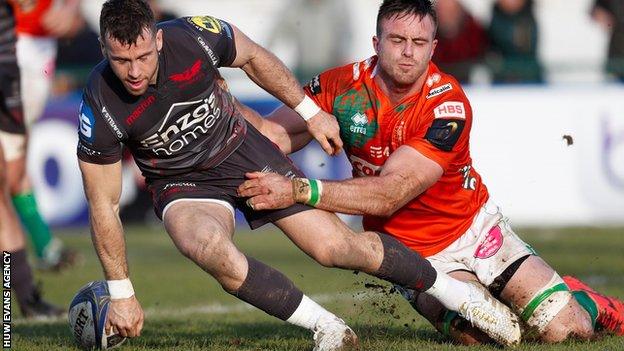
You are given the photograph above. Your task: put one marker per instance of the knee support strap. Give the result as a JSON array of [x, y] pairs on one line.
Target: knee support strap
[[546, 303]]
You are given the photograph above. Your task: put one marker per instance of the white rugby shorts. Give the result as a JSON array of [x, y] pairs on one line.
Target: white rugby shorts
[[486, 249]]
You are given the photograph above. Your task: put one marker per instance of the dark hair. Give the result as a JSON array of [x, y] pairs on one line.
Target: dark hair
[[401, 8], [125, 20]]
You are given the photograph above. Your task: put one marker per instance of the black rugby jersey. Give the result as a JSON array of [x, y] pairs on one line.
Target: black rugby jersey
[[7, 33], [185, 123]]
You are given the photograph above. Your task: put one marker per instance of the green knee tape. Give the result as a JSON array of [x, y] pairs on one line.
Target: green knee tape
[[449, 316], [530, 308], [588, 305], [38, 230]]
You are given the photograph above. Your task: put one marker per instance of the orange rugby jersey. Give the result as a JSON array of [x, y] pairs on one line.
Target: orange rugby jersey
[[28, 16], [436, 122]]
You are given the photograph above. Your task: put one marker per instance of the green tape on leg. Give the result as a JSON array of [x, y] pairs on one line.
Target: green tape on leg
[[528, 311], [449, 316], [588, 304]]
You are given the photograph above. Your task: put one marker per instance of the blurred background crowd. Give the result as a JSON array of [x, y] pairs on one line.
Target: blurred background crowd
[[480, 42]]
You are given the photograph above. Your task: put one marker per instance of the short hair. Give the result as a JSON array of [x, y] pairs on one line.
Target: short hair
[[401, 8], [125, 20]]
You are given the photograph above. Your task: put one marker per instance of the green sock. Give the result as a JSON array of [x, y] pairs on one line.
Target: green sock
[[37, 228], [588, 304]]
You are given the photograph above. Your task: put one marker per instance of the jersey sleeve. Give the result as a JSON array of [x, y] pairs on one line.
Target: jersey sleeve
[[218, 35], [96, 143], [444, 130], [324, 88]]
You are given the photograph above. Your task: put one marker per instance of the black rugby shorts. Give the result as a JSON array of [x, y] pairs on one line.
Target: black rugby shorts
[[256, 153]]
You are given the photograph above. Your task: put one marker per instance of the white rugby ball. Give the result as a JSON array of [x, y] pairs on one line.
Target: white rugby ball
[[87, 318]]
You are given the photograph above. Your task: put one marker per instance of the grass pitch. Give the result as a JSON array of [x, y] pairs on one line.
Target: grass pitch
[[187, 310]]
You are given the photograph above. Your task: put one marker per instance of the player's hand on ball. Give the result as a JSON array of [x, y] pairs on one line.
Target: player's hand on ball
[[126, 317], [267, 191], [324, 128]]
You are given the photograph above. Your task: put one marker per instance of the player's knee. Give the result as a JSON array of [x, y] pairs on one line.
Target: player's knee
[[553, 314], [571, 322], [327, 255], [202, 244]]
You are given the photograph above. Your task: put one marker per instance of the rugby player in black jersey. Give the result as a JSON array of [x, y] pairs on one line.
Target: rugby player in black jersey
[[159, 92]]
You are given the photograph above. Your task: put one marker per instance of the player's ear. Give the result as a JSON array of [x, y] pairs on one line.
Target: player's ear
[[159, 40], [102, 47], [433, 47], [376, 44]]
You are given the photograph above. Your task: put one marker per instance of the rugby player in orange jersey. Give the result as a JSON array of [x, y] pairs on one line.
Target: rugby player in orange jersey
[[405, 127]]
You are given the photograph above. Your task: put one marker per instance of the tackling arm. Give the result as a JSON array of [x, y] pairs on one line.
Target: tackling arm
[[406, 174]]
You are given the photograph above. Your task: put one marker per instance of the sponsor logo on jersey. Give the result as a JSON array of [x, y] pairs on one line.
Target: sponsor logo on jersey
[[208, 23], [444, 133], [359, 122], [87, 122], [191, 120], [189, 76], [433, 79], [398, 132], [363, 168], [356, 71], [379, 151], [86, 150], [470, 183], [208, 50], [134, 116], [439, 90], [450, 109], [315, 85], [180, 185], [111, 122]]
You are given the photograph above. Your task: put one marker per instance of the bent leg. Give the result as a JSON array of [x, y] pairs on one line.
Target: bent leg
[[539, 295], [203, 231]]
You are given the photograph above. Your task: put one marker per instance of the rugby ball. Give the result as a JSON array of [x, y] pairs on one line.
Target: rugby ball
[[87, 318]]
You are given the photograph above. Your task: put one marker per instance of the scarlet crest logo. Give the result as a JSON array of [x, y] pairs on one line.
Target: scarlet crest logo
[[490, 246], [189, 76]]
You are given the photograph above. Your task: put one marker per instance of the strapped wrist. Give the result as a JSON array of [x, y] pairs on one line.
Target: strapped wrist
[[307, 191], [307, 108], [120, 289]]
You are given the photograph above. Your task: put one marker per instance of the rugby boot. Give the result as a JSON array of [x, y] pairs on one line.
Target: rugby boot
[[491, 316], [332, 334], [610, 310], [38, 309]]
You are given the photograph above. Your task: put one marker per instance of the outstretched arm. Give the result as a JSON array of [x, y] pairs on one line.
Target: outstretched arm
[[406, 174], [266, 70], [102, 185]]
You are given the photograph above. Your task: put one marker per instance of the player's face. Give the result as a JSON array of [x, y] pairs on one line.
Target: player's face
[[135, 65], [404, 48]]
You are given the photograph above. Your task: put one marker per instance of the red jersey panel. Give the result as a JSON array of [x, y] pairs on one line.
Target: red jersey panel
[[28, 16], [436, 122]]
